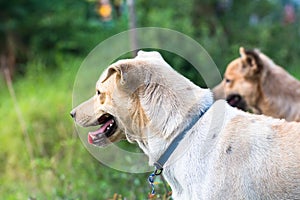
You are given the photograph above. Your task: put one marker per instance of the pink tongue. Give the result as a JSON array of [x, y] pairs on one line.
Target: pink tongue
[[101, 129]]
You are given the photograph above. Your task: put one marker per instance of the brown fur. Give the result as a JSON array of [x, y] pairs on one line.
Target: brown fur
[[265, 87]]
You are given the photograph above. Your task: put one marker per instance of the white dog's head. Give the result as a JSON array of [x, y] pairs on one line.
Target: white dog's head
[[134, 96]]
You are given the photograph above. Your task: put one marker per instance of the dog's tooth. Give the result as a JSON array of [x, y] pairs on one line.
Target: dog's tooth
[[108, 128], [93, 137], [110, 124]]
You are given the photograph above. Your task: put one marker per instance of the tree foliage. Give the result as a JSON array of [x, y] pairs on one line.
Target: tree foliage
[[44, 29], [222, 26]]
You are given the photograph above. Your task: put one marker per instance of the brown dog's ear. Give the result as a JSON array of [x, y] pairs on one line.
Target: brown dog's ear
[[242, 52], [251, 61]]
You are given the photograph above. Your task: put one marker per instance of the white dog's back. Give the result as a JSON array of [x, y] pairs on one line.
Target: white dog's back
[[252, 157]]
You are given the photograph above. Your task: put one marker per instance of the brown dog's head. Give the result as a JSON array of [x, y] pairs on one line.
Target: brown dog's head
[[240, 86]]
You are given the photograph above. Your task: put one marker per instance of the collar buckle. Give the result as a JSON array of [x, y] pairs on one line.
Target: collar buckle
[[158, 171]]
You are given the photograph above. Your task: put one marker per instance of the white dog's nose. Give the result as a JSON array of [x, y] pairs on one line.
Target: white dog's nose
[[73, 113]]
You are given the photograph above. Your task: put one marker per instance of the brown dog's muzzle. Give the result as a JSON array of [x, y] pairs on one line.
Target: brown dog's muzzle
[[236, 100], [218, 92]]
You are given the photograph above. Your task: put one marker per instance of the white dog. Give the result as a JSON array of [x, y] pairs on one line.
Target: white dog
[[207, 150]]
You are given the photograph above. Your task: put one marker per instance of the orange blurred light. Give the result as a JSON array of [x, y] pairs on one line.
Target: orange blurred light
[[105, 10]]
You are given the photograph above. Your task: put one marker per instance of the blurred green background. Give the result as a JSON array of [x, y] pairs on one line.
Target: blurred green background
[[43, 43]]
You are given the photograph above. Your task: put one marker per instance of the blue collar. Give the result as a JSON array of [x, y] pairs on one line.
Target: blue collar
[[159, 164]]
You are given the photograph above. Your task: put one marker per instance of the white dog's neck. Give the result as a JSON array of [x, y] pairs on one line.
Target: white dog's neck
[[167, 123]]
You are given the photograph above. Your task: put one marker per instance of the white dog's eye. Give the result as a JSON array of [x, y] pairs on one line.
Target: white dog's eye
[[98, 92]]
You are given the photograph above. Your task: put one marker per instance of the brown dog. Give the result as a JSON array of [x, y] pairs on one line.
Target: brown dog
[[255, 82]]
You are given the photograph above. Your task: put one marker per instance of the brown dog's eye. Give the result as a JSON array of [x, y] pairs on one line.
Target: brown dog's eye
[[98, 92], [227, 80]]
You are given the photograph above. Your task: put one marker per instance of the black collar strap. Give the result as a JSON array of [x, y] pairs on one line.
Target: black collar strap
[[165, 156]]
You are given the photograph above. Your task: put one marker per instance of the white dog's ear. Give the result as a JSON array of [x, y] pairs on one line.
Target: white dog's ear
[[109, 72], [120, 69], [129, 76]]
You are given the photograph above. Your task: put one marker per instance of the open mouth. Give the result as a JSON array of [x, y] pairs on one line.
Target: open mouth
[[235, 100], [107, 128]]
